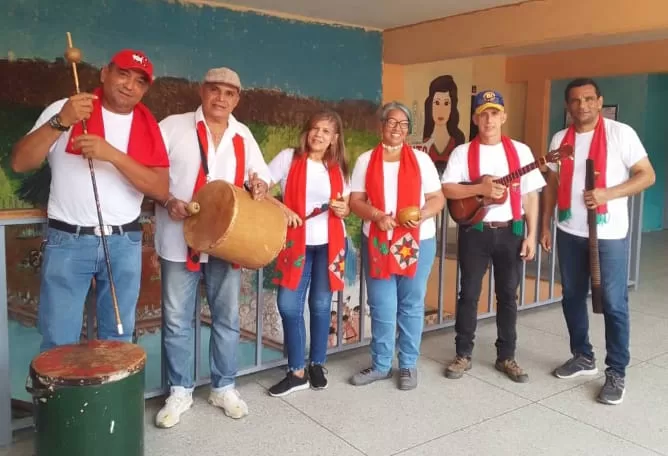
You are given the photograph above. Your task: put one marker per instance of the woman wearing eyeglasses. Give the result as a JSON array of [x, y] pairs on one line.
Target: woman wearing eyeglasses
[[396, 191]]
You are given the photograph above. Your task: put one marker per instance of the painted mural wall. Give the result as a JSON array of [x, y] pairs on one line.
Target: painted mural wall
[[639, 102], [288, 69]]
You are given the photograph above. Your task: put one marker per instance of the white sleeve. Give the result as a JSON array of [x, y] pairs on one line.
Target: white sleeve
[[256, 163], [633, 150], [358, 180], [533, 180], [280, 165], [554, 145], [430, 180], [50, 111], [346, 186], [457, 169]]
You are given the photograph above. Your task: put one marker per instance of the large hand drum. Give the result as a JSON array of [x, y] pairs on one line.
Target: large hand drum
[[230, 225]]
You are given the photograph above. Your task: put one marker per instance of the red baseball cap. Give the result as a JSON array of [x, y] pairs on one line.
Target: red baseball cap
[[129, 59]]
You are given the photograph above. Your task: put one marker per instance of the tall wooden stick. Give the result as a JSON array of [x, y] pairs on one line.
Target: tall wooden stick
[[73, 55]]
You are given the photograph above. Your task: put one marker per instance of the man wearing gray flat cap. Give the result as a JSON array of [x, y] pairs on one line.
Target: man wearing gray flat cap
[[205, 145]]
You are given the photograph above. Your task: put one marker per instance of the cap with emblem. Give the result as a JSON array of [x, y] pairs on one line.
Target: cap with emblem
[[488, 99], [223, 76], [129, 59]]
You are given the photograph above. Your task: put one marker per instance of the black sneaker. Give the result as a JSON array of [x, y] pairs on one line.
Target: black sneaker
[[576, 366], [316, 375], [613, 390], [288, 385]]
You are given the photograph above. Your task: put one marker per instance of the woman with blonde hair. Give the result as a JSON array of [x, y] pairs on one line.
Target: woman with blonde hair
[[313, 181], [397, 192]]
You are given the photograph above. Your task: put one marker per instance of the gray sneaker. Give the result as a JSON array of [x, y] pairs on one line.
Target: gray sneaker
[[369, 375], [613, 390], [408, 379], [576, 366]]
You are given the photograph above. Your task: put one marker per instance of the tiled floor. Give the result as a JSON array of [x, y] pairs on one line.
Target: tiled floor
[[481, 414]]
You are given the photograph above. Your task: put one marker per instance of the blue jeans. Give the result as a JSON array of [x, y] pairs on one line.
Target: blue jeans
[[573, 254], [398, 302], [69, 263], [315, 280], [179, 293]]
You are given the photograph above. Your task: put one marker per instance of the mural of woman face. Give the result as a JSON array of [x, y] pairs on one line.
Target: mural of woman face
[[441, 108], [395, 128], [321, 135]]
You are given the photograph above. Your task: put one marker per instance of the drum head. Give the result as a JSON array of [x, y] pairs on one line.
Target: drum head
[[218, 209], [93, 362]]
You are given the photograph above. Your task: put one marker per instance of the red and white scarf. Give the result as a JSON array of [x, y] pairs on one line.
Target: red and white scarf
[[290, 261], [515, 191], [145, 145], [401, 256], [598, 151]]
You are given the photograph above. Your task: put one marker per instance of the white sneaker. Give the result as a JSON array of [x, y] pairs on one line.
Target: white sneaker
[[230, 401], [178, 402]]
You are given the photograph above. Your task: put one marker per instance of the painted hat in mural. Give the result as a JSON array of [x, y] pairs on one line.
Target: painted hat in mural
[[488, 99], [223, 76], [129, 59]]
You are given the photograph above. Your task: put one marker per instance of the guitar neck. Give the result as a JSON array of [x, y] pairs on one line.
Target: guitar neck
[[505, 180]]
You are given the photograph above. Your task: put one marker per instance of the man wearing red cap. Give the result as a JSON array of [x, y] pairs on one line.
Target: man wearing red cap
[[125, 143], [208, 144]]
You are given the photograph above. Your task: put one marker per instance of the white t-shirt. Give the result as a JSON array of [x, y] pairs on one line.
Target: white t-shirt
[[624, 151], [71, 197], [430, 184], [180, 135], [318, 192], [494, 163]]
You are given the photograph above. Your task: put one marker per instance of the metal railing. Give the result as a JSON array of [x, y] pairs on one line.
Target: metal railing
[[444, 238]]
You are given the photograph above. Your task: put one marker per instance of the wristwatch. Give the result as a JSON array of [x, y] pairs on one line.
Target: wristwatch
[[54, 122]]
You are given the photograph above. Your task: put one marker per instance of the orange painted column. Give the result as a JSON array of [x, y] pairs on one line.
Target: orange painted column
[[536, 126], [393, 82]]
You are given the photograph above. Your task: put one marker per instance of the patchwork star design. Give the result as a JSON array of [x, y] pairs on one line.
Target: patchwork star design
[[405, 251], [338, 266]]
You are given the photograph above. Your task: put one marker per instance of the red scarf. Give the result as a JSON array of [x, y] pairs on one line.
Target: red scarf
[[193, 257], [598, 151], [145, 145], [515, 190], [402, 255], [290, 262]]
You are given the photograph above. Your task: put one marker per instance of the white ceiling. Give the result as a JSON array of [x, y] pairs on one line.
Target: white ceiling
[[374, 14]]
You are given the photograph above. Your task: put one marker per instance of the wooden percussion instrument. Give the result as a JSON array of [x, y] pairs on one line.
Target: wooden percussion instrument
[[594, 263], [227, 223], [89, 399]]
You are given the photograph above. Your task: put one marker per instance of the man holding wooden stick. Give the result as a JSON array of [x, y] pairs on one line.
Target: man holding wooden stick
[[621, 169], [123, 139]]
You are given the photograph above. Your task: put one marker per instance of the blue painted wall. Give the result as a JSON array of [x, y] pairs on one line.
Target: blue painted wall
[[638, 106], [306, 59]]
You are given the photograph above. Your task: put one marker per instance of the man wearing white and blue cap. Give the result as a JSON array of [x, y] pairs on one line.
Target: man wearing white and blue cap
[[500, 237]]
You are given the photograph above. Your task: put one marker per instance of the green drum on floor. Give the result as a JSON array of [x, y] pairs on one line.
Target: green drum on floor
[[88, 399]]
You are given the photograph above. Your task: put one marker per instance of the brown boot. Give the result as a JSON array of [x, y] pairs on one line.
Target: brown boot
[[512, 370], [457, 367]]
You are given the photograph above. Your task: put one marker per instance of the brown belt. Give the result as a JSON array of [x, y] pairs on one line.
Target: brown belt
[[494, 225]]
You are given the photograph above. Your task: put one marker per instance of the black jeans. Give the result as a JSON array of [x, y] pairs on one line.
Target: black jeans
[[475, 250]]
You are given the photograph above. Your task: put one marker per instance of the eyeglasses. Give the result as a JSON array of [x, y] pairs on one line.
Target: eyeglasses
[[391, 123]]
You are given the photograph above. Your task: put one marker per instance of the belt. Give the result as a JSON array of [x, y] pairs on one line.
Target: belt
[[495, 225], [108, 229]]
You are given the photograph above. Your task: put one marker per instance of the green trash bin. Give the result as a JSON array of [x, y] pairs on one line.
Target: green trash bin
[[88, 399]]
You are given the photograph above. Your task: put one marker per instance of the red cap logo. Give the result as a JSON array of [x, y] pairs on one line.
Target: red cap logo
[[129, 59]]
